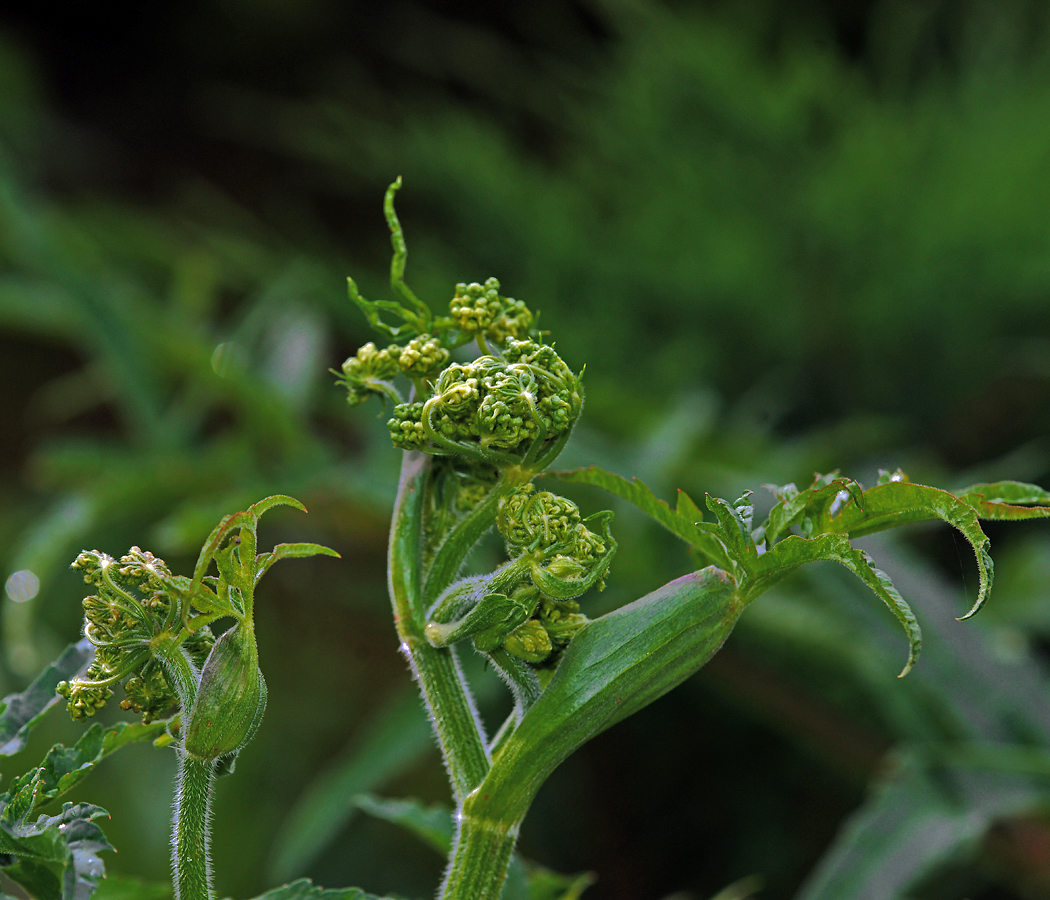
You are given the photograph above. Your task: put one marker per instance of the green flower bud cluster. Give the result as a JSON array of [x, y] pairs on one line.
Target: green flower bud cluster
[[553, 625], [550, 527], [480, 311], [527, 606], [517, 408], [137, 599], [372, 370]]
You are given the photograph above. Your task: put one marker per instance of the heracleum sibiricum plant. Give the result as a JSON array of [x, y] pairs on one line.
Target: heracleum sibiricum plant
[[482, 405]]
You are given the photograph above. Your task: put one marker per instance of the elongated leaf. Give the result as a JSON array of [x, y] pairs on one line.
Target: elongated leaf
[[22, 711], [686, 521], [900, 502], [434, 825], [1007, 500], [795, 551], [63, 768], [431, 824], [545, 884], [615, 666], [305, 889], [116, 887], [394, 740], [289, 551], [916, 820], [55, 857], [267, 503]]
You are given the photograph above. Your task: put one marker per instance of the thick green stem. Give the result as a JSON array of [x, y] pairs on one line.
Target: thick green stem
[[437, 671], [479, 863], [191, 836]]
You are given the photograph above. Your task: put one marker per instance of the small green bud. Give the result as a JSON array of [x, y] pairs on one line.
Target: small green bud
[[479, 310], [84, 698], [149, 694], [231, 697], [529, 642], [369, 371], [423, 357], [406, 429]]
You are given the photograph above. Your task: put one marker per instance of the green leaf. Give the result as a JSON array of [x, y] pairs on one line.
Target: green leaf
[[305, 889], [431, 824], [816, 501], [736, 529], [546, 884], [289, 551], [615, 665], [434, 825], [685, 521], [398, 737], [795, 551], [268, 503], [900, 502], [55, 857], [63, 768], [22, 711], [118, 887], [926, 811], [1006, 500]]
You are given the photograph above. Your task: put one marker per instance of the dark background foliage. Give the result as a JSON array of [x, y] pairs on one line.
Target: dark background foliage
[[783, 237]]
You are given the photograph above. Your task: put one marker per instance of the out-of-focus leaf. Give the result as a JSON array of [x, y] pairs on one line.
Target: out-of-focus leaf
[[431, 824], [22, 711], [740, 890], [305, 889], [918, 818], [55, 857], [393, 741], [117, 887], [545, 884], [63, 768], [685, 521], [435, 827]]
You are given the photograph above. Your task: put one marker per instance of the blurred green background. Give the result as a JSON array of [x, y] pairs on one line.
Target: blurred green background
[[783, 238]]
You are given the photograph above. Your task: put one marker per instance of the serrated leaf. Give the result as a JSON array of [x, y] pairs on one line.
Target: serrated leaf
[[305, 889], [63, 768], [735, 530], [55, 857], [900, 502], [431, 824], [686, 521], [1006, 500], [22, 711], [795, 551], [816, 503]]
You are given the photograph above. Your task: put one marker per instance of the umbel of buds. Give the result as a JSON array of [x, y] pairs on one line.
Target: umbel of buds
[[150, 630]]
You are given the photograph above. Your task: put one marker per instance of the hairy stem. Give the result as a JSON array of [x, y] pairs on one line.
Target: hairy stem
[[437, 670], [191, 838], [479, 862]]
